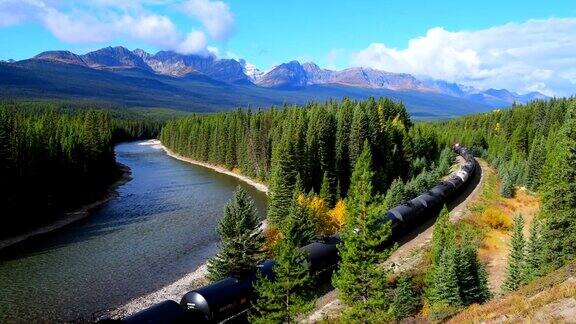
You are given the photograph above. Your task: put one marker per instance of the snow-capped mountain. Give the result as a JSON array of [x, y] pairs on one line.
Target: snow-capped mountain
[[293, 75]]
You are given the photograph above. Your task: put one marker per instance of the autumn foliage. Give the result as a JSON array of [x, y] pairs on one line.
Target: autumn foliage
[[496, 219]]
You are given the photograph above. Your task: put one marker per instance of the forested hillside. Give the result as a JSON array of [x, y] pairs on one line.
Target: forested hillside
[[336, 166], [319, 142], [532, 147], [517, 141], [55, 156], [362, 157]]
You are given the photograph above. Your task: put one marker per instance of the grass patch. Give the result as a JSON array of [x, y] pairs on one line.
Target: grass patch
[[531, 303], [496, 219]]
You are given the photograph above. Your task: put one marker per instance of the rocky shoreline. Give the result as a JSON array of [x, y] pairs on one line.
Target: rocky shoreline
[[258, 185], [194, 279]]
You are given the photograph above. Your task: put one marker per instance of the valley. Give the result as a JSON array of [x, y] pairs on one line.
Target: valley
[[273, 162], [145, 232], [206, 84]]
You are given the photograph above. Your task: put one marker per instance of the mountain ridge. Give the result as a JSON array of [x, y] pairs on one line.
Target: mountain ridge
[[290, 75]]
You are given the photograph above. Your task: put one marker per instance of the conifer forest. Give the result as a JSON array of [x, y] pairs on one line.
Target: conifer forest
[[332, 168], [52, 154], [228, 161], [369, 156]]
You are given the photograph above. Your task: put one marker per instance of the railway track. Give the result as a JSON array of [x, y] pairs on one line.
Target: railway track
[[227, 298]]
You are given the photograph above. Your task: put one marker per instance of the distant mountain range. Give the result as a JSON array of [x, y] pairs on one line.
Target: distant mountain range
[[206, 83], [294, 74]]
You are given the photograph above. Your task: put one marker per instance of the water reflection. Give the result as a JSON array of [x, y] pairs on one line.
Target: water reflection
[[160, 227]]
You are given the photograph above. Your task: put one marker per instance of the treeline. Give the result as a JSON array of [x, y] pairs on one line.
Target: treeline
[[319, 142], [531, 145], [330, 167], [370, 292], [517, 141], [54, 158]]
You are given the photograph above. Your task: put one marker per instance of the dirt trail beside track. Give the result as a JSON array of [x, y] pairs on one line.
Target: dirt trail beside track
[[411, 247]]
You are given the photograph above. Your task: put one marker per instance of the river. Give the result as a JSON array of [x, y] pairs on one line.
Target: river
[[161, 226]]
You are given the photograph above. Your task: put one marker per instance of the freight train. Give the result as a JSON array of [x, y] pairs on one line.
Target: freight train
[[230, 297]]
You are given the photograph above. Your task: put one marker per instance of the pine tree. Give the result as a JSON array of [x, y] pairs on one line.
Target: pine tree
[[507, 189], [302, 226], [516, 257], [486, 293], [359, 131], [536, 160], [241, 239], [395, 194], [559, 195], [360, 279], [327, 191], [406, 301], [344, 119], [281, 183], [290, 293], [534, 255], [472, 281], [441, 235], [444, 291]]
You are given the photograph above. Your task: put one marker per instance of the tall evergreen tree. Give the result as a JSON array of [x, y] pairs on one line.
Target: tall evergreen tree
[[361, 281], [406, 301], [396, 194], [472, 281], [444, 290], [559, 195], [342, 162], [327, 190], [281, 182], [441, 235], [359, 131], [301, 226], [516, 257], [536, 160], [290, 293], [534, 255], [507, 189], [241, 239]]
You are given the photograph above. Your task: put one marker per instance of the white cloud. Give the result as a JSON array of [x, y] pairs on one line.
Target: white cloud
[[16, 12], [155, 29], [333, 57], [214, 15], [78, 29], [107, 20], [195, 42], [213, 50], [537, 55]]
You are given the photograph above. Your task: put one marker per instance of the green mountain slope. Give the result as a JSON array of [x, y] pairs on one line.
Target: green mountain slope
[[41, 79]]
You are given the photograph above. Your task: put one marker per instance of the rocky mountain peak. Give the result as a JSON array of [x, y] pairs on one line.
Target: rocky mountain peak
[[141, 53], [66, 57], [290, 74], [251, 71], [114, 57]]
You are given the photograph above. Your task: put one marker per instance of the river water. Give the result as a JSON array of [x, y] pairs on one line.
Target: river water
[[160, 227]]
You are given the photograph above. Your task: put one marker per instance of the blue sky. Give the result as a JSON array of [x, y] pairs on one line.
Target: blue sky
[[400, 36]]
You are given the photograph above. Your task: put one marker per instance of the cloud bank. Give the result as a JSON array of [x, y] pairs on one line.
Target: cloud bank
[[214, 15], [537, 55], [107, 20]]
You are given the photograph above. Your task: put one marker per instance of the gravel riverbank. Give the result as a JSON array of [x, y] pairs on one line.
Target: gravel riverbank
[[194, 279]]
